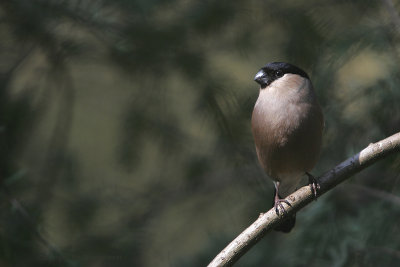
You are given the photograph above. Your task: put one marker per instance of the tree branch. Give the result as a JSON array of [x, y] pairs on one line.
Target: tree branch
[[303, 196]]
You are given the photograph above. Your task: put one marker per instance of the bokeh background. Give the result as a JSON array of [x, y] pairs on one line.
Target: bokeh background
[[125, 130]]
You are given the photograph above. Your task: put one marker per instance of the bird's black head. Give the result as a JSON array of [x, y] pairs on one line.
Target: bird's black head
[[274, 70]]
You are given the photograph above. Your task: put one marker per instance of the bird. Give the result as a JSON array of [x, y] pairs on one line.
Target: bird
[[287, 125]]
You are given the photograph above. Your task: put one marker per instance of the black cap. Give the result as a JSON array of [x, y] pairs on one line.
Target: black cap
[[274, 70]]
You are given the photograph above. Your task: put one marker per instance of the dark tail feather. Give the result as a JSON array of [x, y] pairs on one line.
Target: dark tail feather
[[287, 225]]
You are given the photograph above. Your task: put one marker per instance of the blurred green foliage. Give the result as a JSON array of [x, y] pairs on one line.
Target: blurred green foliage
[[125, 130]]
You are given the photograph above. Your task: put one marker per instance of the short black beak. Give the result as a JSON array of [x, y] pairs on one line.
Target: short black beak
[[261, 78]]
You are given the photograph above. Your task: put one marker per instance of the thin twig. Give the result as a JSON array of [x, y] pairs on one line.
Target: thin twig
[[380, 194], [30, 222], [269, 220]]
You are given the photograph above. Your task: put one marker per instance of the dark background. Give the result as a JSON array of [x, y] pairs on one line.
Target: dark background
[[125, 130]]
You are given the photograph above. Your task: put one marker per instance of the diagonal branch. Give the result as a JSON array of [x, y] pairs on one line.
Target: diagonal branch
[[269, 220]]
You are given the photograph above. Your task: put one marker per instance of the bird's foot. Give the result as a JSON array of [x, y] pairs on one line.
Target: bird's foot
[[314, 185], [278, 205]]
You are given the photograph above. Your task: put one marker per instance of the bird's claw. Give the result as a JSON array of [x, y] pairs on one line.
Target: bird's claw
[[278, 205], [314, 184]]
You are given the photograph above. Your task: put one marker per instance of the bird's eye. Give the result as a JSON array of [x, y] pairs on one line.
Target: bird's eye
[[278, 73]]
